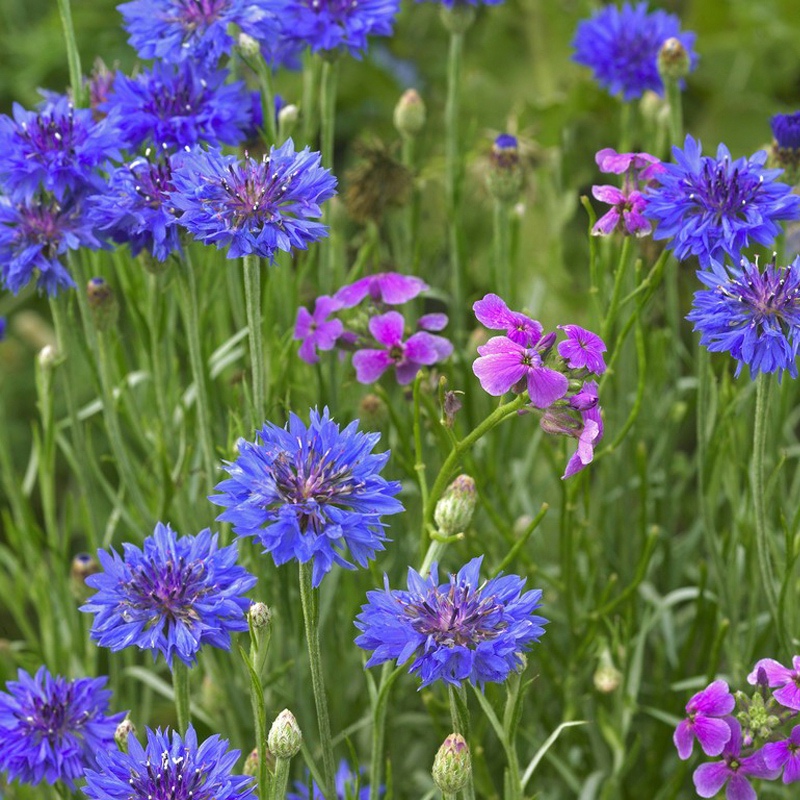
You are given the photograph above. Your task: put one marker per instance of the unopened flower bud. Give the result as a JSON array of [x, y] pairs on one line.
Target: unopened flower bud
[[123, 732], [505, 176], [151, 264], [284, 738], [458, 17], [48, 357], [409, 114], [453, 512], [673, 60], [607, 677], [102, 303], [82, 566], [251, 764], [452, 766], [287, 119], [259, 616], [248, 46]]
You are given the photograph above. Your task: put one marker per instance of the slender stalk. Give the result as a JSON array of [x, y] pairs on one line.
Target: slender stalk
[[252, 295], [419, 463], [280, 779], [190, 307], [459, 715], [311, 67], [46, 448], [310, 601], [327, 104], [625, 132], [675, 104], [388, 677], [502, 260], [180, 686], [73, 56], [613, 305], [264, 76]]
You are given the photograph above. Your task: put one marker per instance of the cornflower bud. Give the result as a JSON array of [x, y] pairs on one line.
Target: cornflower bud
[[83, 565], [458, 17], [284, 737], [372, 411], [48, 357], [102, 303], [409, 114], [287, 119], [453, 765], [248, 46], [251, 764], [505, 176], [259, 616], [607, 677], [454, 511], [674, 62], [124, 730]]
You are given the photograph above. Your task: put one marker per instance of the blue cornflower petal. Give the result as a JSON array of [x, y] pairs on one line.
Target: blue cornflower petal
[[172, 596], [709, 206], [621, 46], [190, 771], [752, 314], [310, 493], [53, 728], [253, 207], [178, 106], [459, 630]]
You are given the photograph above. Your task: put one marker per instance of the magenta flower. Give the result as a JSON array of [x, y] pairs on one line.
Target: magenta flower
[[625, 214], [707, 720], [407, 357], [582, 349], [785, 755], [734, 769], [390, 288], [493, 312], [505, 364], [642, 166], [435, 321], [316, 330], [788, 680], [590, 435]]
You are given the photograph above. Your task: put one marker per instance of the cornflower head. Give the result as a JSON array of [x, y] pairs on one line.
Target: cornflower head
[[253, 207], [310, 493], [785, 150], [53, 728], [194, 30], [734, 770], [136, 207], [751, 313], [628, 203], [345, 783], [708, 715], [330, 26], [179, 105], [708, 207], [172, 596], [407, 356], [458, 630], [57, 148], [34, 236], [175, 767], [621, 46]]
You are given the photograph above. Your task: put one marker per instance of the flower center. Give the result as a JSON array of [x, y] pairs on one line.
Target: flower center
[[51, 720], [459, 618], [194, 14], [152, 181], [172, 779], [40, 225], [334, 7], [772, 298], [53, 134], [256, 193], [724, 195]]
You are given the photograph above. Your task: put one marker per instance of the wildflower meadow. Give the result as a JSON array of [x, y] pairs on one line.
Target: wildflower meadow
[[399, 399]]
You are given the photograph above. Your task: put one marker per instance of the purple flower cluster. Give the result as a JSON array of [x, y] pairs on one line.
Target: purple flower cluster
[[558, 384], [756, 737], [628, 203], [381, 340]]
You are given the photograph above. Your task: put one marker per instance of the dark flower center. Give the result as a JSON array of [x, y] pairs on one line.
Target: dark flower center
[[175, 100], [334, 7], [723, 195], [152, 181], [311, 481], [194, 14], [51, 134], [40, 225], [462, 617], [53, 718], [770, 298], [174, 778], [255, 193]]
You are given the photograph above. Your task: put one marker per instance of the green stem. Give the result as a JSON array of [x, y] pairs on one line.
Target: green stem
[[327, 104], [310, 601], [502, 261], [459, 715], [625, 133], [73, 57], [675, 104], [310, 80], [180, 686], [252, 295], [264, 76], [451, 462], [46, 450], [388, 677], [608, 322], [280, 779], [191, 316], [419, 463]]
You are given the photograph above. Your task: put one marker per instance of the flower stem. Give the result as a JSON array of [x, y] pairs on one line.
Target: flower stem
[[180, 686], [191, 317], [459, 715], [673, 92], [388, 677], [252, 295], [327, 103], [502, 260], [608, 322], [73, 56], [310, 601], [280, 779], [264, 75]]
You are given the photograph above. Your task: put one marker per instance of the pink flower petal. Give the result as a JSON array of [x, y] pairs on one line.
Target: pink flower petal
[[370, 364], [545, 386], [388, 328]]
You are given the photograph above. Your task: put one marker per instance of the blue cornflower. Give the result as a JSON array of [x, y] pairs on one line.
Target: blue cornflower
[[57, 148], [34, 236], [251, 206], [180, 105], [709, 206], [786, 130], [173, 596], [345, 783], [194, 30], [310, 493], [752, 314], [459, 630], [136, 206], [52, 728], [178, 769], [621, 46], [327, 25]]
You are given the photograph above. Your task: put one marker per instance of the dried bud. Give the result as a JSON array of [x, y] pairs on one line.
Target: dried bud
[[284, 736], [102, 303], [453, 512], [376, 183], [673, 60], [124, 730], [372, 412], [505, 176], [409, 114], [452, 766], [451, 406]]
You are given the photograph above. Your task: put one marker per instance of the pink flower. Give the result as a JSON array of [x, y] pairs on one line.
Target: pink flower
[[390, 288], [493, 312], [316, 330], [707, 721]]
